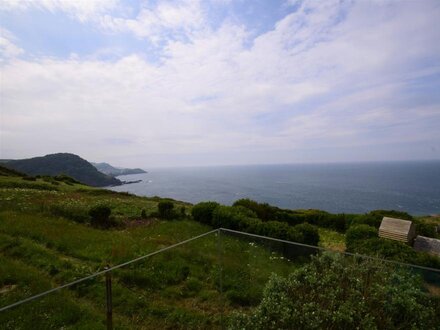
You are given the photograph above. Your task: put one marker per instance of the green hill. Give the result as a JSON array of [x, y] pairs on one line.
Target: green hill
[[106, 168], [63, 163]]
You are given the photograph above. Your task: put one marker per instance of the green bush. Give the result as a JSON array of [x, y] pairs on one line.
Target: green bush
[[275, 229], [337, 292], [202, 212], [365, 219], [294, 235], [426, 229], [358, 233], [394, 250], [309, 232], [228, 217], [379, 214], [165, 209], [100, 216], [263, 211]]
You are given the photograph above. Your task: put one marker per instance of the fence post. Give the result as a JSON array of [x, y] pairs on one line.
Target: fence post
[[220, 274], [108, 289]]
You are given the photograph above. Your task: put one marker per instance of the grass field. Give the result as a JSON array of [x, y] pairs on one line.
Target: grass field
[[45, 241]]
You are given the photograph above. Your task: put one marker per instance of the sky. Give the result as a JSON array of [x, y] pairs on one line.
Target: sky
[[220, 82]]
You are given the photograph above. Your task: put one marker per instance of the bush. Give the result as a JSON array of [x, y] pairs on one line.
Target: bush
[[337, 292], [143, 214], [275, 229], [229, 217], [294, 235], [263, 211], [202, 212], [364, 219], [165, 209], [379, 214], [358, 233], [100, 216], [66, 179], [426, 229], [309, 232], [394, 250]]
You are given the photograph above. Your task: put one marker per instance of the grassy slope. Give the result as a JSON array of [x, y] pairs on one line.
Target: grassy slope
[[40, 250], [45, 242]]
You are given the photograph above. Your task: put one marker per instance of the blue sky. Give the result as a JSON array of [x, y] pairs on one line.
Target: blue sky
[[169, 83]]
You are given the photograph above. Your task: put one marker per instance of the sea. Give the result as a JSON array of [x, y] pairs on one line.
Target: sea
[[413, 187]]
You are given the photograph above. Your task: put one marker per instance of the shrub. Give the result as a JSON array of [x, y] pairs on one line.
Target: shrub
[[337, 292], [379, 214], [309, 232], [143, 214], [294, 235], [263, 211], [228, 217], [275, 229], [165, 209], [365, 219], [202, 212], [426, 229], [394, 250], [358, 233], [100, 216], [66, 179]]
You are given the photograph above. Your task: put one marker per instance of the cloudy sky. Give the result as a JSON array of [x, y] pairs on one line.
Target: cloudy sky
[[188, 82]]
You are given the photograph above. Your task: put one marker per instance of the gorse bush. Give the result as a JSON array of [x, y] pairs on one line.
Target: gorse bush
[[336, 292]]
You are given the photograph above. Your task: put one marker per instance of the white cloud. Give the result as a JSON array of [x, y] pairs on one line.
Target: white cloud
[[80, 9], [8, 49], [325, 76], [179, 17]]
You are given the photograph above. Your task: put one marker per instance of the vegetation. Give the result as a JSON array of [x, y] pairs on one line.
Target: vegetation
[[358, 233], [166, 209], [54, 230], [63, 164], [335, 292], [238, 217], [114, 171]]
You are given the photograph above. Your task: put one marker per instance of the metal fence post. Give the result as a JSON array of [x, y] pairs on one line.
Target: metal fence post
[[220, 273], [108, 289]]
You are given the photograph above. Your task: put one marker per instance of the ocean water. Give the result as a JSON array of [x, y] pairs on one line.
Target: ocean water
[[351, 188]]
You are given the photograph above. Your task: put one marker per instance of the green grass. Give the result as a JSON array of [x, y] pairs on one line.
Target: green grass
[[331, 239], [46, 241]]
